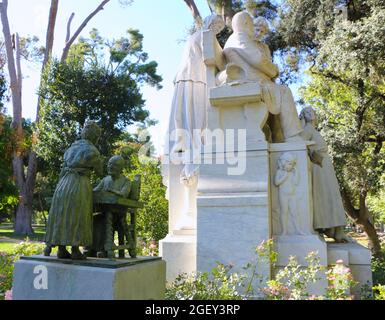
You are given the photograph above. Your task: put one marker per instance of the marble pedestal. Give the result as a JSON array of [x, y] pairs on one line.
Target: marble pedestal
[[179, 250], [233, 211], [48, 278], [299, 247]]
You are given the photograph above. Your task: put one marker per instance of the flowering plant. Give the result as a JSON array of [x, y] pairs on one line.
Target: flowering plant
[[340, 281]]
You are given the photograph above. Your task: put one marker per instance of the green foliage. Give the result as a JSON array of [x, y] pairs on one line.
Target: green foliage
[[379, 292], [152, 220], [359, 162], [219, 284], [147, 248], [90, 85], [340, 281], [378, 270], [376, 205], [289, 283], [7, 260], [8, 190]]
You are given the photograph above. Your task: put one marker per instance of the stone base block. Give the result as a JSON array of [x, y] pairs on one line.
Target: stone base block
[[300, 247], [49, 278], [230, 227], [179, 251], [358, 258]]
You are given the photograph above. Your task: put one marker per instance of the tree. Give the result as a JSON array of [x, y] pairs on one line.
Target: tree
[[26, 177], [90, 86], [152, 220], [8, 191], [349, 92]]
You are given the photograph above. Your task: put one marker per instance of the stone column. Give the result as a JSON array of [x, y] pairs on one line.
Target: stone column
[[178, 249]]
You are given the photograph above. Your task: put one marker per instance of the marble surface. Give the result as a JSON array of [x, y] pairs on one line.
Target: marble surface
[[143, 281]]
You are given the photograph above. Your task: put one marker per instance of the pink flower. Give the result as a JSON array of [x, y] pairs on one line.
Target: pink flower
[[340, 261], [8, 295]]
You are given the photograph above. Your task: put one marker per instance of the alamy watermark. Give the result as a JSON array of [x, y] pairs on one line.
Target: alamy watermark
[[40, 281], [202, 147]]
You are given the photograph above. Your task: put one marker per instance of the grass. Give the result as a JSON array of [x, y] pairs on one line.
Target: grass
[[7, 246], [9, 239]]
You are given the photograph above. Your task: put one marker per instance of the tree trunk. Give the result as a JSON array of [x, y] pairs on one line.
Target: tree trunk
[[23, 221], [363, 219], [79, 30], [194, 11]]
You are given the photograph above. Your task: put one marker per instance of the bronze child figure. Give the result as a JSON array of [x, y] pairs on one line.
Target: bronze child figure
[[117, 184]]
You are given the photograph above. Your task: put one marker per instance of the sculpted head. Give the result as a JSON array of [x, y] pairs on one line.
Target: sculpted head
[[91, 132], [308, 115], [243, 23], [115, 165], [261, 27], [214, 23], [287, 161]]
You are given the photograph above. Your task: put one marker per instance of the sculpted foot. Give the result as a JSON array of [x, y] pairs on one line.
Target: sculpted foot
[[340, 236], [47, 250], [76, 254], [62, 253]]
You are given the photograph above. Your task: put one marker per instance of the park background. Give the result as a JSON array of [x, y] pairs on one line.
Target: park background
[[343, 41]]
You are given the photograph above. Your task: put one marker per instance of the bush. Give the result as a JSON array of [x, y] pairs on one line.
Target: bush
[[7, 260], [220, 284], [378, 270], [379, 292], [290, 283], [152, 220]]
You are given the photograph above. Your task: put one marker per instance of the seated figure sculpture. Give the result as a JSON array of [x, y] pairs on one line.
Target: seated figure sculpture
[[248, 60], [117, 184]]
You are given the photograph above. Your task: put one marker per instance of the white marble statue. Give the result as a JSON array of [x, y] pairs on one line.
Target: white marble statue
[[329, 213], [188, 117], [249, 60], [287, 180]]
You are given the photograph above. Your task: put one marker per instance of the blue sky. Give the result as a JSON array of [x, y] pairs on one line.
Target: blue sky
[[163, 24]]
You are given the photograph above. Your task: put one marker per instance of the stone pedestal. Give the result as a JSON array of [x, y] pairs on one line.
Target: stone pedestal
[[179, 250], [358, 259], [49, 278], [300, 247], [233, 211]]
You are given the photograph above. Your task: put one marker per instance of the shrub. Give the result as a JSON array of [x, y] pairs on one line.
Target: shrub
[[147, 248], [340, 281], [379, 292], [291, 282], [378, 270], [219, 284], [7, 260]]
